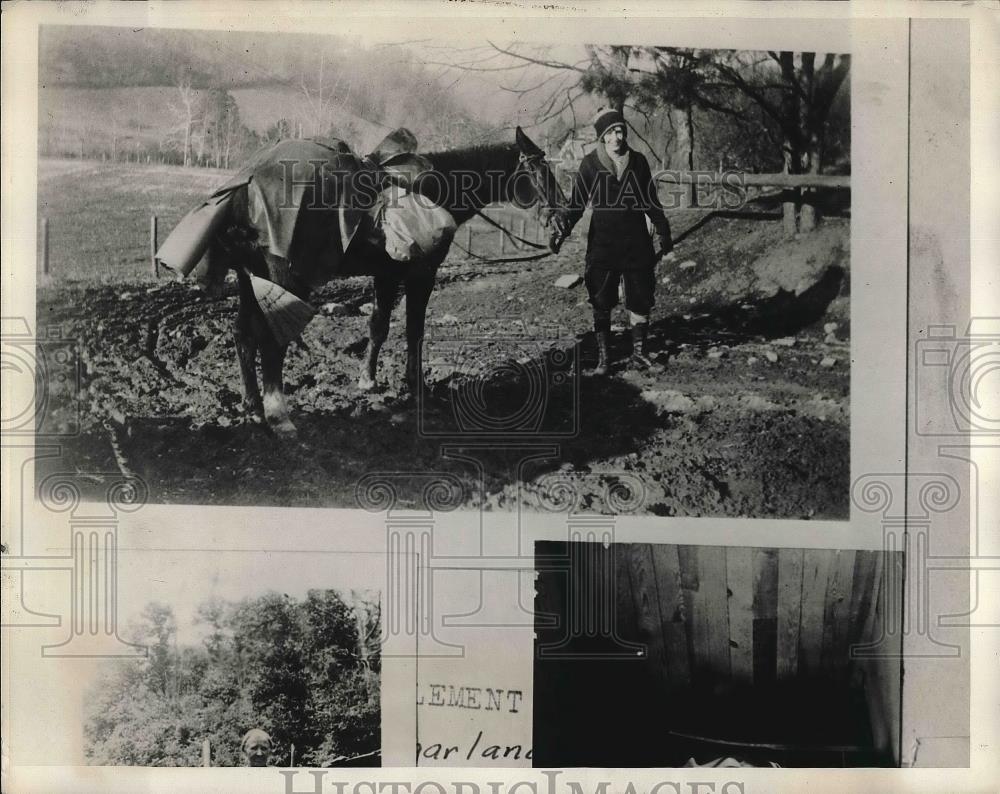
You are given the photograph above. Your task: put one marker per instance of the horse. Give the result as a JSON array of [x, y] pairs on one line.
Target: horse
[[462, 181]]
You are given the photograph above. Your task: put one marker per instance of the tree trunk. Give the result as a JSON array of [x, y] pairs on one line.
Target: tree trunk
[[689, 119], [790, 109]]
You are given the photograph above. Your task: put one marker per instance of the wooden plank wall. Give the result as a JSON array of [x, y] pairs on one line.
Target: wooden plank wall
[[710, 614]]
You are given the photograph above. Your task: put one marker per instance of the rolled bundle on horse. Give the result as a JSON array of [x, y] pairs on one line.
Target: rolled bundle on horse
[[302, 212]]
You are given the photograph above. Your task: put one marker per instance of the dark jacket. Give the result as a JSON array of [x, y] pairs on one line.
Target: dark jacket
[[618, 236]]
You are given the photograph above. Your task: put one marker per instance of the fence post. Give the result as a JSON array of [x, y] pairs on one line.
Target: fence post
[[468, 237], [503, 240], [788, 210], [153, 246], [206, 753], [521, 229], [45, 246]]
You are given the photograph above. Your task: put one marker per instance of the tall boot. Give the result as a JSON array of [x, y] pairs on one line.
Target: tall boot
[[640, 355], [603, 353]]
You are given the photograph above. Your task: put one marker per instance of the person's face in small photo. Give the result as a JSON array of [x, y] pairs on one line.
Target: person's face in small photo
[[614, 139], [257, 750]]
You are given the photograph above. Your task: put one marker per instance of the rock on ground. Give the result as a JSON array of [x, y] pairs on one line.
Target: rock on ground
[[568, 281]]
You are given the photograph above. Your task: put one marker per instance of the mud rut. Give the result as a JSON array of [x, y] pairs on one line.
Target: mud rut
[[710, 434]]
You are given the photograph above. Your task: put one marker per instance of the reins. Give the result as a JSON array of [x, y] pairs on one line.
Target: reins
[[514, 238], [510, 236], [504, 259], [507, 233]]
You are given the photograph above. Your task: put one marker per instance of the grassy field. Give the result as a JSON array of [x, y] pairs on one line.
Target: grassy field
[[99, 215]]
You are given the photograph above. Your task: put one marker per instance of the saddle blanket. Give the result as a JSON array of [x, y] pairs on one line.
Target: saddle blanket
[[303, 204]]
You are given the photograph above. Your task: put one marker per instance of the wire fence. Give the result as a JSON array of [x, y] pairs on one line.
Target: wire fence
[[122, 248]]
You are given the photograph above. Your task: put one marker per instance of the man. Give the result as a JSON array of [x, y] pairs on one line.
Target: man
[[256, 747], [616, 181]]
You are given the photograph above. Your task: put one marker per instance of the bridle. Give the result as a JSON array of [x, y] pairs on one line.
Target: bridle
[[534, 169], [539, 175]]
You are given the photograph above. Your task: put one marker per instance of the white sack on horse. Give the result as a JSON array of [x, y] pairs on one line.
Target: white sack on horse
[[413, 226]]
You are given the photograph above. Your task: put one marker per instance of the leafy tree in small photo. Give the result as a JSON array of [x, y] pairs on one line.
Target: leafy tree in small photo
[[306, 671]]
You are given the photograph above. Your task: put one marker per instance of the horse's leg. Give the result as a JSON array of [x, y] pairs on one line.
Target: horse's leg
[[272, 362], [418, 293], [272, 352], [246, 344], [386, 293]]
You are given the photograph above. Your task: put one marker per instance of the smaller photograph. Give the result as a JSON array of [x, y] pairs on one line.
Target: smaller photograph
[[660, 655], [202, 654], [266, 679]]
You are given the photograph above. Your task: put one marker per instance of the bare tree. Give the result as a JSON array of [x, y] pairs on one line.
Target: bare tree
[[185, 109], [321, 99]]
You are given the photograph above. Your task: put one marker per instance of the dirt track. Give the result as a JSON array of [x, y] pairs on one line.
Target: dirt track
[[720, 431]]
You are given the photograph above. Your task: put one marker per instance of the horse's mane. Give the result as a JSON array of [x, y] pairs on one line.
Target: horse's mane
[[482, 158], [459, 196]]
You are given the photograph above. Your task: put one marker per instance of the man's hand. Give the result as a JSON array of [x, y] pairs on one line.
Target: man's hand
[[558, 222], [555, 241], [664, 249]]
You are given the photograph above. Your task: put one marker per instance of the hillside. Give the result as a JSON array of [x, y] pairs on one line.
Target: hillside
[[86, 122], [151, 95]]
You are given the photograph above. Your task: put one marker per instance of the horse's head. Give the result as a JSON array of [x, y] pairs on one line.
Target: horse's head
[[535, 185]]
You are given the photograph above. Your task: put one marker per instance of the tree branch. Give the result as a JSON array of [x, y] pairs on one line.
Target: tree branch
[[538, 61]]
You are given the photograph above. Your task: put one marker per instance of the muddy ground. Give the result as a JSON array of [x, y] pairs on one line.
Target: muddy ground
[[747, 415]]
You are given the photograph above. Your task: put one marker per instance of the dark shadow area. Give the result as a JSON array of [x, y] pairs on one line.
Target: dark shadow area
[[783, 314], [241, 462], [775, 722], [607, 713]]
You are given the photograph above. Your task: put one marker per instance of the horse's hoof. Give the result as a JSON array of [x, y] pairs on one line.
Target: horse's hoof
[[417, 389], [285, 430], [366, 384]]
